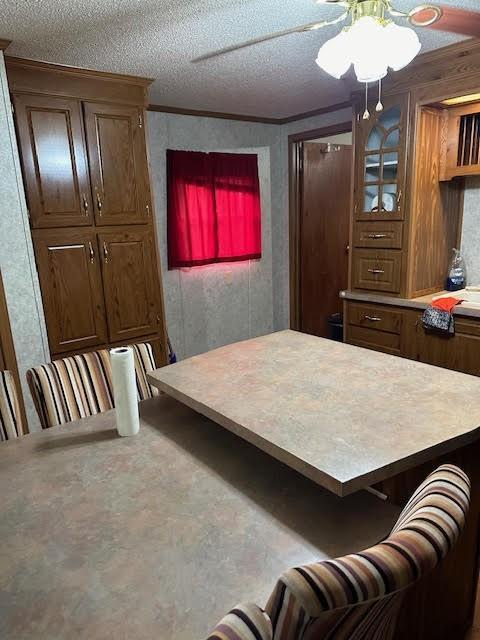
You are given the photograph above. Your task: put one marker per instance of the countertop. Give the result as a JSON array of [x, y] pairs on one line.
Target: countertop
[[422, 302], [344, 416], [160, 534]]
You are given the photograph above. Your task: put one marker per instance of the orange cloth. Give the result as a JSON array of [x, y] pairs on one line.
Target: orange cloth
[[446, 304]]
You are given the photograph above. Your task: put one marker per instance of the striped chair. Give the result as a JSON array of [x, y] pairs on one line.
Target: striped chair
[[358, 597], [10, 417], [81, 385]]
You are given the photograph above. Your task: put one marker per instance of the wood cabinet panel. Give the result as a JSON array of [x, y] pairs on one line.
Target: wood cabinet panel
[[381, 235], [373, 339], [52, 145], [375, 317], [377, 270], [131, 286], [460, 352], [118, 164], [70, 278]]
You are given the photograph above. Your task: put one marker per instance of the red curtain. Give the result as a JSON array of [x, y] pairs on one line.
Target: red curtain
[[214, 210]]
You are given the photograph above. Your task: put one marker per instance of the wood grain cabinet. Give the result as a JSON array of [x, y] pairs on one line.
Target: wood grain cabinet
[[84, 159], [118, 163], [400, 331], [68, 264], [55, 171], [130, 283]]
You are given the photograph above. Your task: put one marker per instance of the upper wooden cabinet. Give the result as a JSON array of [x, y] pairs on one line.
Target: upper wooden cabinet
[[70, 278], [51, 138], [130, 283], [118, 164], [380, 154]]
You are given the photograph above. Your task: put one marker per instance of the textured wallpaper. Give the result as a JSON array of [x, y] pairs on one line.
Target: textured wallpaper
[[16, 255], [471, 230]]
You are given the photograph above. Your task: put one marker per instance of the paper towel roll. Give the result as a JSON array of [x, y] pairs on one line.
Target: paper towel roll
[[125, 391]]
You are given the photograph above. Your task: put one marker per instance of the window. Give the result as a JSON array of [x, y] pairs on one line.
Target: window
[[214, 210]]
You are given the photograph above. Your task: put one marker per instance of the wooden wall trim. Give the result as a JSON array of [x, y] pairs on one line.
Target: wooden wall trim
[[246, 118], [4, 44], [33, 76]]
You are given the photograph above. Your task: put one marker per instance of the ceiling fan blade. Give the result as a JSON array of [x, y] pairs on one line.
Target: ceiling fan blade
[[273, 36], [452, 20]]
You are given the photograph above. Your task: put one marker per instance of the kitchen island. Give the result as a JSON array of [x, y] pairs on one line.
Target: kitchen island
[[348, 418]]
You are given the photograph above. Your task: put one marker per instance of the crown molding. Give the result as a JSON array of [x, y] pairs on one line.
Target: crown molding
[[4, 44], [26, 63], [247, 118]]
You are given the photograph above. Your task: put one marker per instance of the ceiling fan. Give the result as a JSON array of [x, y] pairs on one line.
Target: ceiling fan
[[370, 40]]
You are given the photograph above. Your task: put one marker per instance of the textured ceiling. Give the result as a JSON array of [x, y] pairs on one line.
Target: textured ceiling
[[158, 38]]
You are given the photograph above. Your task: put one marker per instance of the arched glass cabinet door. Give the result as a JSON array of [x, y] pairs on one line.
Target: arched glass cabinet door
[[380, 154]]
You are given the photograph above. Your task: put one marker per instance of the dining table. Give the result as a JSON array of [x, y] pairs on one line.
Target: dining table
[[160, 534], [352, 419]]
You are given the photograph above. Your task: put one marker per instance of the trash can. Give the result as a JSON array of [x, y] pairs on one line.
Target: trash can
[[335, 323]]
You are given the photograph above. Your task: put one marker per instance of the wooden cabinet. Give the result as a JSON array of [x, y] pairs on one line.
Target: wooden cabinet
[[84, 159], [380, 154], [118, 163], [400, 331], [377, 269], [50, 132], [130, 283], [70, 278]]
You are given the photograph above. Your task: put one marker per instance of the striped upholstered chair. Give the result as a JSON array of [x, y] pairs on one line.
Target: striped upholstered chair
[[10, 417], [81, 385], [358, 597]]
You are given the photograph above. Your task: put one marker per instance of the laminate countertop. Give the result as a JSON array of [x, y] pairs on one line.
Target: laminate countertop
[[422, 302], [344, 416], [160, 534]]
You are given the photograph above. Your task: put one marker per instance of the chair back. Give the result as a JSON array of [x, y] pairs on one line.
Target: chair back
[[79, 386], [10, 417], [359, 596]]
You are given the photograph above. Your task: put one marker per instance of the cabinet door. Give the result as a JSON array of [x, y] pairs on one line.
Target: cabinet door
[[380, 160], [118, 164], [52, 147], [131, 283], [70, 279], [460, 352]]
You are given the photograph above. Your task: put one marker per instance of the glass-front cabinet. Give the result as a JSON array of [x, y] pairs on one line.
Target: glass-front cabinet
[[380, 161]]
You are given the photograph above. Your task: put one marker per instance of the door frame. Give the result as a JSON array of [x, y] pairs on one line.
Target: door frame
[[295, 144]]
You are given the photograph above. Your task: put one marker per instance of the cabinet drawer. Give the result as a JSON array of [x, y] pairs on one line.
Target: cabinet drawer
[[377, 270], [375, 317], [384, 235], [373, 339]]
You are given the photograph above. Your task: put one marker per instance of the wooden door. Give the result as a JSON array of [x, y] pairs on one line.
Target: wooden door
[[131, 284], [118, 163], [323, 233], [52, 148], [70, 279]]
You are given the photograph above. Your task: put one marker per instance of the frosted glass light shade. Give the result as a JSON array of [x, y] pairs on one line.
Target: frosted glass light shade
[[402, 45], [371, 47], [333, 56]]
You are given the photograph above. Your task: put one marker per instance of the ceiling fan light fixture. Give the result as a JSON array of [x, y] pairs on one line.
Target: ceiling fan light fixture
[[334, 57], [402, 45]]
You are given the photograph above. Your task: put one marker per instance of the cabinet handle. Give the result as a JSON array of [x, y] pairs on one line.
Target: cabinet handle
[[372, 318], [376, 271], [105, 252], [377, 236], [399, 199], [85, 204], [99, 204], [92, 253], [147, 209]]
